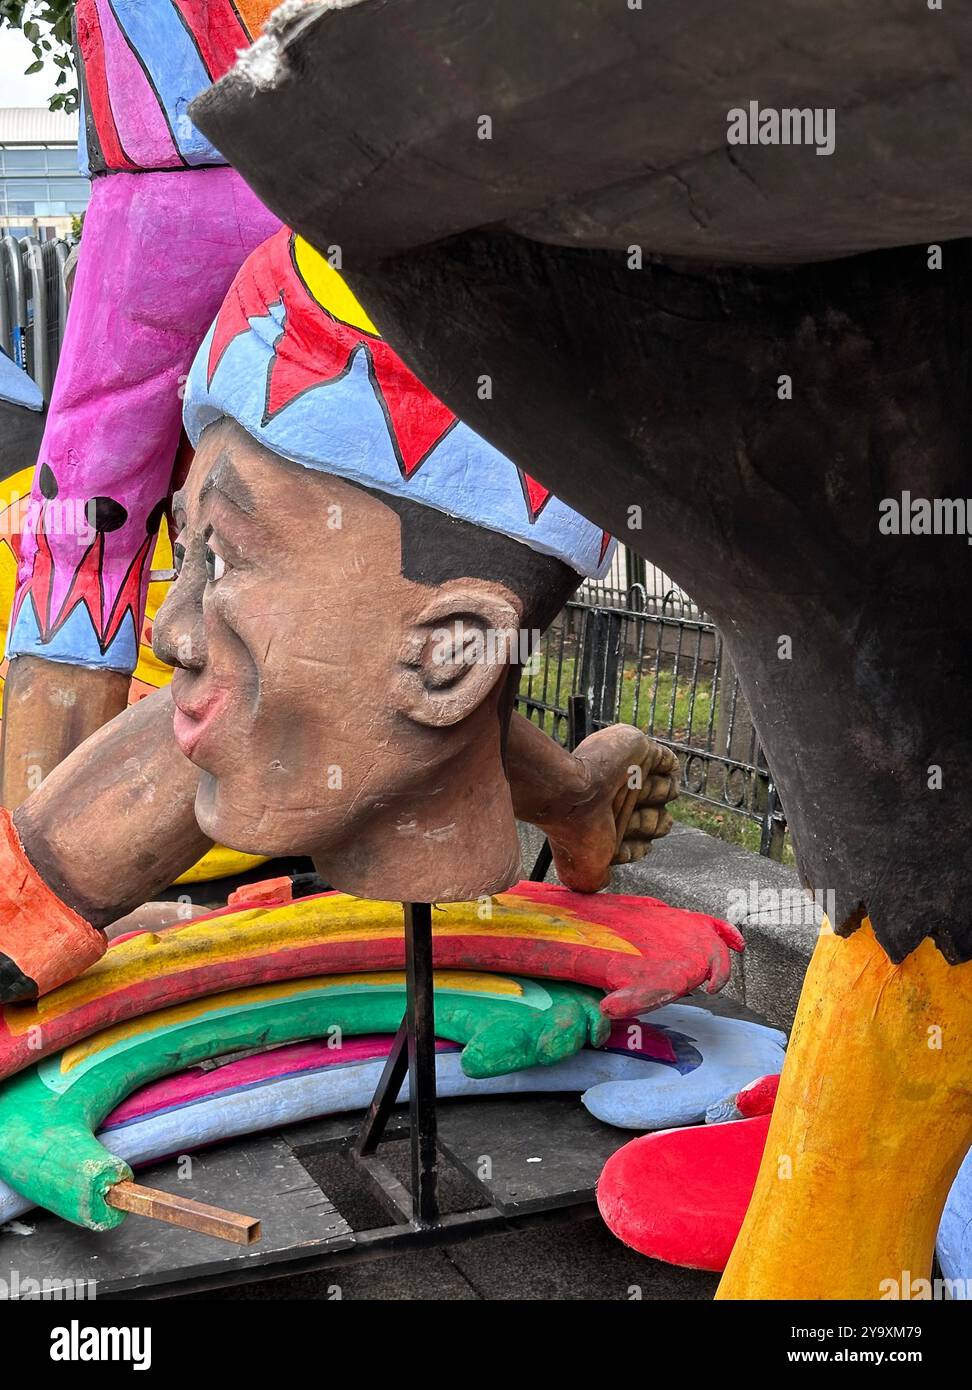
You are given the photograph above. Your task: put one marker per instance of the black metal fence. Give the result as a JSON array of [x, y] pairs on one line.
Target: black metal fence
[[642, 653]]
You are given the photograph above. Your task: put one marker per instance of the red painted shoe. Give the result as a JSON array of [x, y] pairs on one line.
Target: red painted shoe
[[680, 1195]]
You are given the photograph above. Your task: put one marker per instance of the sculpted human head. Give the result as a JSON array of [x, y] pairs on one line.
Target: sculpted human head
[[346, 657]]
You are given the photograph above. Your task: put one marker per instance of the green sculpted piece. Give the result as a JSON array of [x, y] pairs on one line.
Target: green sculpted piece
[[49, 1113]]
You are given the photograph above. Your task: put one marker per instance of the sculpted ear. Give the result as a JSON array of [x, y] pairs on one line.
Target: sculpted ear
[[459, 646]]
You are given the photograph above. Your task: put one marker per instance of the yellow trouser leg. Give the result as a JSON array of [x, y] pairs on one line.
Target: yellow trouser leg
[[873, 1118]]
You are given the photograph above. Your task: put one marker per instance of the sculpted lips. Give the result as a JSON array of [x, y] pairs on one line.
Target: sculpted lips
[[191, 719]]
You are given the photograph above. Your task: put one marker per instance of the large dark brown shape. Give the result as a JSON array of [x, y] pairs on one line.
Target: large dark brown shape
[[608, 124], [659, 389]]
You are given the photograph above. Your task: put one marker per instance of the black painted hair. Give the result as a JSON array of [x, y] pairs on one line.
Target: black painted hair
[[437, 547]]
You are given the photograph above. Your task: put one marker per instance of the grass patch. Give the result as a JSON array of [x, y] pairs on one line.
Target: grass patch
[[725, 825], [676, 715]]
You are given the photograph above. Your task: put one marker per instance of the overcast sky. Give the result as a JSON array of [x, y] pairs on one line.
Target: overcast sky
[[15, 88]]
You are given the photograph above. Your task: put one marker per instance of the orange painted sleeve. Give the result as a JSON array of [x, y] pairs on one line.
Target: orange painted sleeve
[[47, 941]]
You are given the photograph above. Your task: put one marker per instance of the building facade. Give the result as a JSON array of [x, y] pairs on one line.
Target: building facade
[[40, 187]]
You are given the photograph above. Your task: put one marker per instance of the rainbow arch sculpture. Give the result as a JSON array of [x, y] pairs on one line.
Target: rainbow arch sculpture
[[49, 1113], [642, 951]]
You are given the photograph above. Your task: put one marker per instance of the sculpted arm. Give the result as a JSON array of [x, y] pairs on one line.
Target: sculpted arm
[[114, 823], [107, 830]]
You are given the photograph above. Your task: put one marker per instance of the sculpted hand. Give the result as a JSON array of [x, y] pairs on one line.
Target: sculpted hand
[[686, 951]]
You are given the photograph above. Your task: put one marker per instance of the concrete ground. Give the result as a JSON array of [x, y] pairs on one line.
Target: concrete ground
[[571, 1259], [581, 1260]]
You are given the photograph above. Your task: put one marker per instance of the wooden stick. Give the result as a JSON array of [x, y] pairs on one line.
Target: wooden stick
[[183, 1211]]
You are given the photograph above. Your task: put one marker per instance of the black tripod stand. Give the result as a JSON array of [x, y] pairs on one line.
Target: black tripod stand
[[413, 1050]]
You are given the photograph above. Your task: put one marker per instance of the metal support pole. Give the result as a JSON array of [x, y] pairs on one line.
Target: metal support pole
[[774, 825], [13, 272], [601, 660], [420, 1021], [35, 277], [386, 1093], [7, 315], [413, 1051], [578, 720]]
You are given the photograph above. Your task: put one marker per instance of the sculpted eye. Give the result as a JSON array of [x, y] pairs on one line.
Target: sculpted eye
[[178, 556], [215, 565]]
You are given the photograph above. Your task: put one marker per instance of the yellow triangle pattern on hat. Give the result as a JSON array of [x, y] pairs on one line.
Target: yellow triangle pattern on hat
[[328, 289]]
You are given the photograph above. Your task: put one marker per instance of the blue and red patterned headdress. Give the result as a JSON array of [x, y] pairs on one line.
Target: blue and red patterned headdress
[[295, 360]]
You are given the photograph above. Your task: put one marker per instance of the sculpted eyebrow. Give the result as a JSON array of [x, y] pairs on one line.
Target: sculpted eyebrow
[[225, 480]]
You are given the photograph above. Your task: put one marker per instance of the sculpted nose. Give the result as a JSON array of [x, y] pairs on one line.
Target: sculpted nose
[[178, 636]]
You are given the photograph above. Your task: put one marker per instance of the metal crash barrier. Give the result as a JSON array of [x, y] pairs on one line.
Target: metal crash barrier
[[33, 305]]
